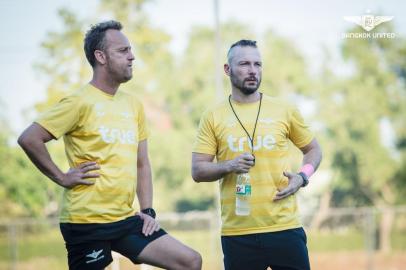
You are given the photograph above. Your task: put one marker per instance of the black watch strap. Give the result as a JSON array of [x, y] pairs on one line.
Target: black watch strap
[[305, 179], [149, 211]]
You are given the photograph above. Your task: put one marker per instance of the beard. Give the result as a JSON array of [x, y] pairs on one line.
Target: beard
[[120, 75], [126, 77], [242, 84], [117, 73]]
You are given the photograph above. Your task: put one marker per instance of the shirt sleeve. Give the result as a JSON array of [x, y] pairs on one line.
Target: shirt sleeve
[[206, 142], [142, 123], [62, 118], [299, 132]]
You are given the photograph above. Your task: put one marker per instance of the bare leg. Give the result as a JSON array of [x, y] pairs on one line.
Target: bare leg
[[168, 253]]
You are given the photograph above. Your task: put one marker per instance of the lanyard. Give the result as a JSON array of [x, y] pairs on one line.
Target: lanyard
[[255, 126]]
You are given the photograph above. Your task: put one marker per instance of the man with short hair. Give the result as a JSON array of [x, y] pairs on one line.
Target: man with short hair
[[250, 133], [105, 137]]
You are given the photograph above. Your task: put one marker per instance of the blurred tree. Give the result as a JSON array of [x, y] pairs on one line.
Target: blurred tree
[[22, 191], [63, 63], [284, 68], [359, 111]]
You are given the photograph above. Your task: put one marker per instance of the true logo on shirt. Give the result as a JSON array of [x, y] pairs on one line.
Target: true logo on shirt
[[113, 135], [237, 144]]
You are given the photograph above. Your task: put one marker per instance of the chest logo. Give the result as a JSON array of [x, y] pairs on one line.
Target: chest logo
[[114, 135], [237, 144]]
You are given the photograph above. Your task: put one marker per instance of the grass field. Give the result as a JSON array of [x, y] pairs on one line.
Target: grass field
[[328, 250]]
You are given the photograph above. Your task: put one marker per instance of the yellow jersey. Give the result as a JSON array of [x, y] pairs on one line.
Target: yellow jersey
[[106, 129], [220, 134]]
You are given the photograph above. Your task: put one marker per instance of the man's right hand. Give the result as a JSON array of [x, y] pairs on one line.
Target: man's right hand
[[78, 176], [242, 163]]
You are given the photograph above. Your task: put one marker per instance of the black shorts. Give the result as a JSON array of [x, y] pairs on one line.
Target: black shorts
[[89, 246], [283, 250]]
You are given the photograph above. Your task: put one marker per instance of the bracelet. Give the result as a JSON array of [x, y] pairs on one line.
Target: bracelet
[[305, 179]]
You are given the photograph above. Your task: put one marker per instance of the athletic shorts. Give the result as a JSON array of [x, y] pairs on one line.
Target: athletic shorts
[[283, 250], [89, 245]]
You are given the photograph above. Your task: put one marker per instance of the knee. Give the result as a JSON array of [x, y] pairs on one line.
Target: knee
[[194, 261]]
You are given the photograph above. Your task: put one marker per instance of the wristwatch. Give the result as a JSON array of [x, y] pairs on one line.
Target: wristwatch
[[305, 179], [149, 211]]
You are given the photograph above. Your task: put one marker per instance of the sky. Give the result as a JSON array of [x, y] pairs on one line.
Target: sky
[[311, 25]]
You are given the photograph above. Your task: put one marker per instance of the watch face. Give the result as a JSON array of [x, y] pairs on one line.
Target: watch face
[[150, 212]]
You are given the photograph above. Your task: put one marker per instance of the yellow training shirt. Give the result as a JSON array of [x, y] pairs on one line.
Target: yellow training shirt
[[220, 134], [106, 129]]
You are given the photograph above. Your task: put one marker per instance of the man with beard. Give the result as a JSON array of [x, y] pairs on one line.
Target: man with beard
[[105, 137], [250, 133]]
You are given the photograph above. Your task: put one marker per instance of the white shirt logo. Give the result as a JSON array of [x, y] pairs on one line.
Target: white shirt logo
[[266, 120], [237, 144], [126, 115], [112, 135]]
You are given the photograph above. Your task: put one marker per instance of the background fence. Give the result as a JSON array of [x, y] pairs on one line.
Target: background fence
[[345, 238]]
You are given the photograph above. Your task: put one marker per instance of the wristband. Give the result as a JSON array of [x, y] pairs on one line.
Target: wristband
[[307, 169], [149, 211]]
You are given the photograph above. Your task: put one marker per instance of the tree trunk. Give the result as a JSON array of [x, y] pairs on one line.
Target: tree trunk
[[323, 211], [385, 229]]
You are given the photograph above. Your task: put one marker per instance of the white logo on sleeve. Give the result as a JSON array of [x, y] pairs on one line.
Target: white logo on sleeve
[[99, 108], [266, 120], [113, 135], [126, 115], [95, 256], [237, 144]]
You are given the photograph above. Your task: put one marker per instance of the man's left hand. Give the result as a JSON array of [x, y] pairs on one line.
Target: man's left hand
[[150, 224], [295, 182]]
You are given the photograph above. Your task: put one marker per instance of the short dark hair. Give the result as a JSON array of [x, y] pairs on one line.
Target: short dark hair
[[94, 39], [242, 43]]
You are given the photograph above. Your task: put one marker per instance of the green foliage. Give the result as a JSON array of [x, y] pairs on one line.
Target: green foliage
[[353, 109], [284, 67], [24, 192], [63, 63]]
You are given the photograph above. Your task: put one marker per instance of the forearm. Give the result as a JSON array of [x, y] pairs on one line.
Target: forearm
[[312, 155], [144, 186], [207, 171], [39, 155]]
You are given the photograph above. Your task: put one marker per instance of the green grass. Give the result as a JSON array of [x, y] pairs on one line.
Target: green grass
[[398, 240], [335, 241], [40, 244], [47, 246], [45, 250]]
